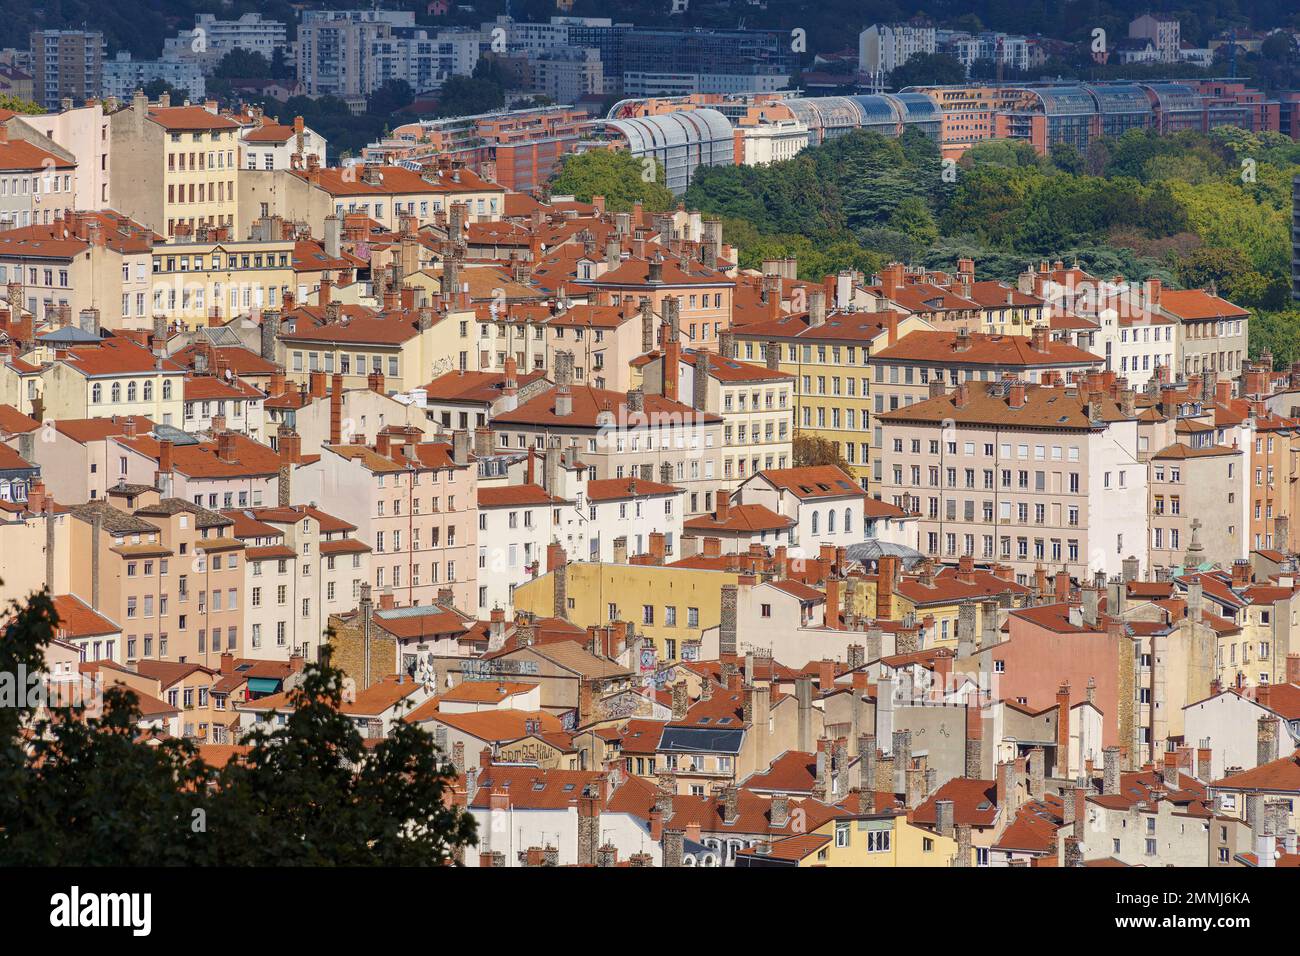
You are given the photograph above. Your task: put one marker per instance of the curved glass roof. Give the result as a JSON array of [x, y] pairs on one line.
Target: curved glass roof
[[673, 129], [917, 107], [1064, 100], [824, 112], [1174, 96], [875, 109], [1120, 98]]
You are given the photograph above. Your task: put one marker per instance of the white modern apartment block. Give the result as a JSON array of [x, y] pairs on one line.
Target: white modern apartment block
[[882, 48], [421, 59], [123, 75], [211, 39], [1005, 48], [335, 47]]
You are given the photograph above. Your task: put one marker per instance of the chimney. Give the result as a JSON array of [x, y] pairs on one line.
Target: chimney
[[1063, 730], [816, 308], [944, 818], [833, 600], [336, 409], [1110, 771], [165, 465], [1266, 742]]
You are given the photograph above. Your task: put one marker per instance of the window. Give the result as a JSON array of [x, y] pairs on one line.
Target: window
[[842, 834]]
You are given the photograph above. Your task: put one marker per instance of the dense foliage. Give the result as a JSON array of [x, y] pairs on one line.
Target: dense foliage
[[1192, 209], [85, 790], [618, 176]]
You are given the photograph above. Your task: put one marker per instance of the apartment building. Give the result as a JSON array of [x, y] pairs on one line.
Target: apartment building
[[1199, 505], [167, 571], [67, 64], [827, 355], [1025, 474], [205, 275], [702, 293], [91, 266], [883, 48], [384, 193], [175, 167], [1212, 330], [393, 350], [622, 435], [269, 145], [756, 404], [301, 566], [334, 49], [74, 455], [80, 132], [114, 377], [36, 185], [229, 471], [414, 503], [123, 75], [212, 38]]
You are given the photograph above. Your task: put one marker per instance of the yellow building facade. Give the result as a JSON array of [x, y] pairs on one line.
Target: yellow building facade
[[670, 607]]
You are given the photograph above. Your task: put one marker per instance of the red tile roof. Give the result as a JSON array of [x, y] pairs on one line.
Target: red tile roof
[[589, 403], [814, 481]]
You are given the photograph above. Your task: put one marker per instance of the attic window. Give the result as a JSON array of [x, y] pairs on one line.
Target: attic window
[[539, 785], [568, 787], [705, 720], [724, 720]]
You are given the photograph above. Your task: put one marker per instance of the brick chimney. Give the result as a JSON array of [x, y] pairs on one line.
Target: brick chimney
[[834, 598], [336, 409], [290, 443]]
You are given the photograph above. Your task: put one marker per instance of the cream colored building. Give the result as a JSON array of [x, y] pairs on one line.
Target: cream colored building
[[384, 193], [193, 280], [116, 377], [175, 167]]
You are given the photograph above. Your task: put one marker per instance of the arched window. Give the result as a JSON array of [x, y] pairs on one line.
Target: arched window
[[130, 391], [848, 520], [96, 393], [830, 521], [148, 390], [116, 392], [815, 523], [167, 390]]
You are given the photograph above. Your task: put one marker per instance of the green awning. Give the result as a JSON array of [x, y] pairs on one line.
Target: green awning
[[263, 685]]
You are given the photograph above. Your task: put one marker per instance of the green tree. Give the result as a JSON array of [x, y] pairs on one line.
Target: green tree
[[620, 177], [241, 64], [19, 105], [925, 69], [813, 449], [86, 789]]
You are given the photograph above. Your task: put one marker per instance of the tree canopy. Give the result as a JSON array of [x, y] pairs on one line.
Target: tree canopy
[[85, 789], [620, 177]]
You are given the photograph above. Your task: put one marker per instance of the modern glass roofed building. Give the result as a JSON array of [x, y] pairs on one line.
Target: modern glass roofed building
[[1121, 107], [830, 116], [682, 141]]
